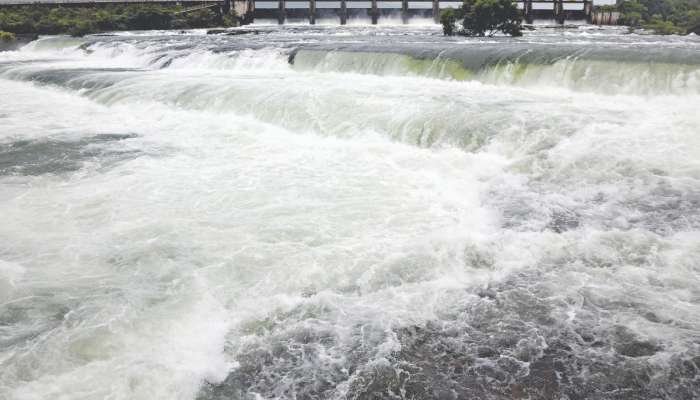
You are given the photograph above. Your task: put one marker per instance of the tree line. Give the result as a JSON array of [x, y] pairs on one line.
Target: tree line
[[488, 17], [82, 20], [661, 16]]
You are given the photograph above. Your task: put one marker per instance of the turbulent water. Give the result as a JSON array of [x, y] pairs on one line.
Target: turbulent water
[[350, 213]]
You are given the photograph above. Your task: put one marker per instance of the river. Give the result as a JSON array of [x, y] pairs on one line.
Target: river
[[357, 212]]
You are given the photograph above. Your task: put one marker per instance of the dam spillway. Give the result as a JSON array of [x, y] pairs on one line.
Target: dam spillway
[[343, 10], [374, 10]]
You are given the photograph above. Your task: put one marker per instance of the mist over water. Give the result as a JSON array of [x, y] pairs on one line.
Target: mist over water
[[350, 212]]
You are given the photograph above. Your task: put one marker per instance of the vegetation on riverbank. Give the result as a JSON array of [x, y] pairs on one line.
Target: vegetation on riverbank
[[483, 18], [7, 37], [486, 17], [664, 17], [78, 21]]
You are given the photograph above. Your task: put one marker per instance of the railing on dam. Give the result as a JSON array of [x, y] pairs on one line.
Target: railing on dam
[[98, 2]]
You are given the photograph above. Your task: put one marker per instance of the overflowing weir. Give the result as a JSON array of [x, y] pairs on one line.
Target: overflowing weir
[[351, 212]]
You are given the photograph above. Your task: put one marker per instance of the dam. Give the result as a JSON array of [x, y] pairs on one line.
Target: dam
[[341, 11], [374, 10]]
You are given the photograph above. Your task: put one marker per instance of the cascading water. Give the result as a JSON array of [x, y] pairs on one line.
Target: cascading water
[[350, 213]]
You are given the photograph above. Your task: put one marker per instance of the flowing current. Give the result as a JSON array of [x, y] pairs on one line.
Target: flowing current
[[350, 213]]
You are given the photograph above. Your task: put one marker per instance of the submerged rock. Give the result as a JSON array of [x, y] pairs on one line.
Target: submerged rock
[[232, 32]]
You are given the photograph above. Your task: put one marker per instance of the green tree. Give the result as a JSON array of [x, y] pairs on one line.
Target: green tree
[[105, 21], [202, 18], [448, 19], [660, 8], [81, 28], [663, 17], [484, 18], [7, 37], [632, 13], [693, 24], [148, 17], [633, 19], [661, 27]]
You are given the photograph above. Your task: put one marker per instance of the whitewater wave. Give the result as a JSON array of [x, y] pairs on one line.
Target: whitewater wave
[[575, 72], [622, 71]]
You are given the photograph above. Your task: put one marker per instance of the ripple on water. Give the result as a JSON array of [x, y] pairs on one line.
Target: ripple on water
[[38, 157]]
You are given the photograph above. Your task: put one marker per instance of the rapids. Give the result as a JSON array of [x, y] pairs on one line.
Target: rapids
[[358, 212]]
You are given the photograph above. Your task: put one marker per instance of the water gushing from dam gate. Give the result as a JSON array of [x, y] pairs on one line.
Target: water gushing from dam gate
[[350, 213]]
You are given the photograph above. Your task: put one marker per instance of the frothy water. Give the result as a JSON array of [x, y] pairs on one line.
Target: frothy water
[[359, 212]]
